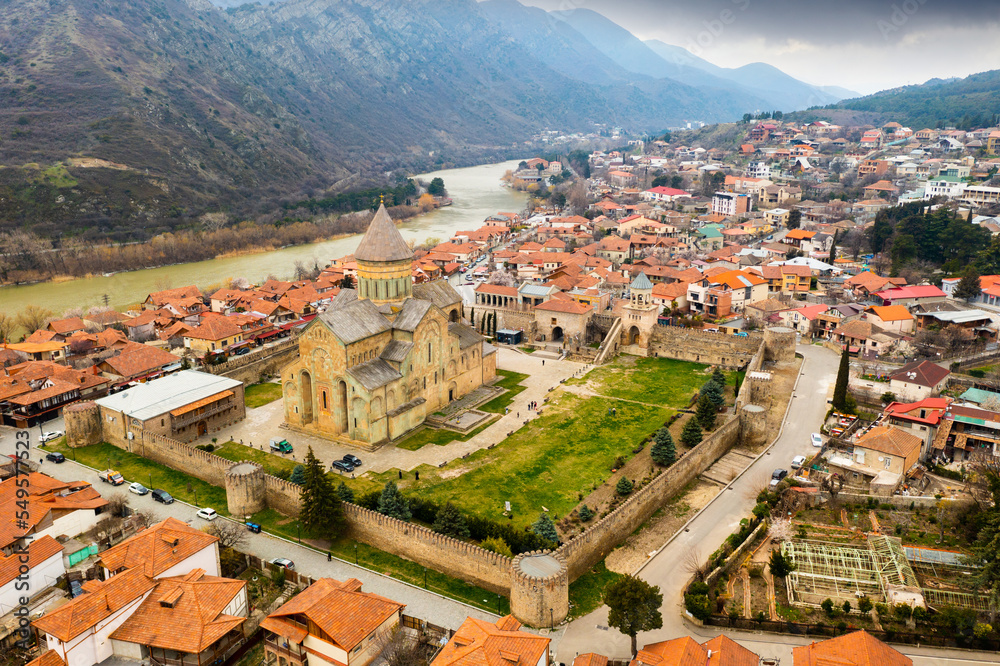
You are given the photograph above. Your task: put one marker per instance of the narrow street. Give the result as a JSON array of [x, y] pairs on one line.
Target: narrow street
[[709, 528]]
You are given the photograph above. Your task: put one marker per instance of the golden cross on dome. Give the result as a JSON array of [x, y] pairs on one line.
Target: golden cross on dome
[[381, 198]]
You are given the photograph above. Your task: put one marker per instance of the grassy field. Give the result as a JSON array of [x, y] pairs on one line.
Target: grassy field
[[150, 474], [390, 565], [548, 463], [258, 395], [585, 592], [658, 381], [513, 382]]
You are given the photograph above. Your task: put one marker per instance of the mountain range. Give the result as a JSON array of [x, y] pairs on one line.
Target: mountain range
[[968, 103], [159, 110]]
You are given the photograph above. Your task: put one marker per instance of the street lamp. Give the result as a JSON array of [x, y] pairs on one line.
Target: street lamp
[[355, 553], [552, 622], [425, 578]]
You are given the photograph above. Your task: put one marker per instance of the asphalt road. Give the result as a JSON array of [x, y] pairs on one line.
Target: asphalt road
[[420, 603], [708, 529]]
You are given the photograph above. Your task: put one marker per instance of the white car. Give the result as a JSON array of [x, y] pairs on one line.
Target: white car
[[283, 562], [816, 439], [207, 514], [138, 488], [49, 436], [798, 462]]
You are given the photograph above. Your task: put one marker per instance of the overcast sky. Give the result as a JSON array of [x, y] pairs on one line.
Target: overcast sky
[[864, 45]]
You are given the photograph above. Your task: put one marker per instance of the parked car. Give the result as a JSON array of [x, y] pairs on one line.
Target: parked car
[[162, 496], [253, 527], [352, 460], [816, 439], [281, 446], [242, 350], [777, 475], [138, 488], [55, 457], [49, 436], [283, 562], [798, 462], [342, 466], [111, 476], [207, 514]]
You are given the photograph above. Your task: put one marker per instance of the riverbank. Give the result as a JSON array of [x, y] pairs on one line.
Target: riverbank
[[476, 191]]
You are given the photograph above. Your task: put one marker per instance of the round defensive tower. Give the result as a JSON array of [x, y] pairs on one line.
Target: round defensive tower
[[779, 344], [539, 591], [245, 494], [83, 424], [753, 426]]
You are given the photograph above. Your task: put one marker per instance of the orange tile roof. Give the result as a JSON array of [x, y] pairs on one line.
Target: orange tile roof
[[685, 651], [102, 600], [340, 609], [568, 307], [136, 360], [590, 659], [50, 658], [481, 643], [892, 440], [892, 312], [215, 328], [727, 652], [856, 649], [39, 550], [45, 495], [800, 234], [157, 548], [183, 613], [65, 326]]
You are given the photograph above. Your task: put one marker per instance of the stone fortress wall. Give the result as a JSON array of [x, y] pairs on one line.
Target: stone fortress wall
[[531, 594]]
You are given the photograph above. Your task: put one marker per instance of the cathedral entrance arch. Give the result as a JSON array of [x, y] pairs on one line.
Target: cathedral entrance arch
[[557, 334], [306, 393], [633, 335]]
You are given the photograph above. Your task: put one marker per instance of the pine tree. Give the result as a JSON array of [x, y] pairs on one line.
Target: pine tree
[[691, 435], [840, 388], [545, 528], [344, 493], [298, 475], [321, 512], [585, 513], [714, 392], [719, 377], [392, 503], [969, 286], [449, 520], [780, 565], [624, 486], [794, 219], [706, 412], [833, 247], [663, 452]]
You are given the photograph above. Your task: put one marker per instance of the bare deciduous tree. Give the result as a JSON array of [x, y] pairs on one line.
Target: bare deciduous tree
[[230, 534], [7, 326], [397, 647], [501, 278], [33, 318]]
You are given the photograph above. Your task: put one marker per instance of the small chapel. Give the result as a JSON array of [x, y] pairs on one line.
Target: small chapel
[[385, 355]]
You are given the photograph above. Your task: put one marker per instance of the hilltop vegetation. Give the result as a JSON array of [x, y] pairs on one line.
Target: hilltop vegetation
[[966, 103]]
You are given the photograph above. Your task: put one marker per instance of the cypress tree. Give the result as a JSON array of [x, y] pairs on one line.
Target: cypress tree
[[706, 412], [450, 521], [840, 388], [321, 513]]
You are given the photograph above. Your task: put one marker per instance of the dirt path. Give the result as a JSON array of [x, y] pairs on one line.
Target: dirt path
[[772, 608], [745, 577], [627, 557]]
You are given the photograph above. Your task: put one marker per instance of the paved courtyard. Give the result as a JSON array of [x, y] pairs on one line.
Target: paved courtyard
[[264, 423]]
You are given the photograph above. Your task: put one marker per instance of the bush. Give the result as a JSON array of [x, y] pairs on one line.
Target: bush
[[919, 613], [978, 373], [619, 462], [865, 605], [847, 607], [982, 630], [698, 587], [698, 605], [827, 607], [902, 612], [278, 577], [496, 545]]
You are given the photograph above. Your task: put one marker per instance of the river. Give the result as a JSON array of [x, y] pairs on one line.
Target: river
[[476, 191]]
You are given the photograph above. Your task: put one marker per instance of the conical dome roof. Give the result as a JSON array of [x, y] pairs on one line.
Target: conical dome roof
[[382, 241], [641, 282]]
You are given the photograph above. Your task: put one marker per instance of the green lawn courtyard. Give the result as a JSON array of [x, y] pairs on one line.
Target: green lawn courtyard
[[258, 395], [657, 381]]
